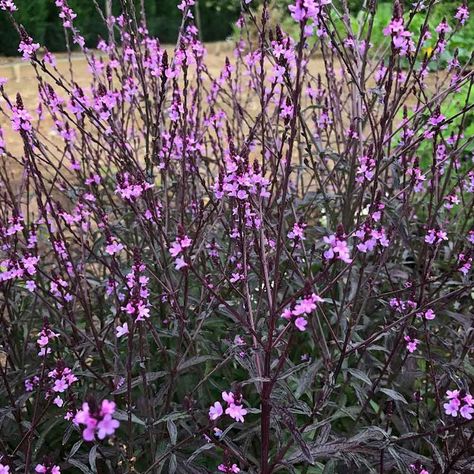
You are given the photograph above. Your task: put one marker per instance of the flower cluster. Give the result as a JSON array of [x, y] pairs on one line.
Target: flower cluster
[[428, 314], [300, 311], [338, 248], [138, 304], [370, 237], [114, 246], [412, 343], [241, 181], [28, 48], [297, 232], [61, 379], [401, 306], [228, 468], [418, 468], [8, 6], [21, 118], [234, 408], [47, 468], [130, 187], [366, 169], [434, 236], [459, 403], [304, 11], [98, 421], [45, 336], [66, 13], [462, 14], [177, 251], [402, 40]]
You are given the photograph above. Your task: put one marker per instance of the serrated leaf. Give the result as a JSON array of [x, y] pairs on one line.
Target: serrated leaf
[[150, 377], [173, 464], [92, 458], [358, 374], [75, 448], [394, 395], [122, 415], [172, 430], [172, 416], [80, 466], [194, 361], [205, 447]]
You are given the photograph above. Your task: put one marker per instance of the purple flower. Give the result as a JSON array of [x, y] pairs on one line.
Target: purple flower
[[228, 397], [215, 411], [229, 468], [466, 412], [462, 14], [107, 426], [237, 412], [114, 247], [97, 422], [121, 330], [28, 48], [301, 323], [452, 407], [8, 6], [4, 469]]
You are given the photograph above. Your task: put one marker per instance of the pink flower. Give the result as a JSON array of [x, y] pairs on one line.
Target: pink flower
[[28, 48], [462, 14], [307, 305], [301, 323], [175, 249], [469, 399], [228, 397], [411, 344], [297, 233], [215, 411], [466, 412], [227, 468], [98, 422], [237, 412], [8, 6], [4, 469], [60, 385], [107, 426], [178, 246], [47, 469], [122, 330], [180, 263], [108, 408], [114, 247], [58, 401], [339, 249], [430, 314], [451, 408], [443, 27]]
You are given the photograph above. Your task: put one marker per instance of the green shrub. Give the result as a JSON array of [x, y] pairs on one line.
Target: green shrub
[[39, 17]]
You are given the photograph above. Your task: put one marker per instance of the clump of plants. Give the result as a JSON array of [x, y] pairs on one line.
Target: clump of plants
[[264, 270]]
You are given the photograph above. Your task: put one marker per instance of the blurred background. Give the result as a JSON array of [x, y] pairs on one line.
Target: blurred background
[[216, 17]]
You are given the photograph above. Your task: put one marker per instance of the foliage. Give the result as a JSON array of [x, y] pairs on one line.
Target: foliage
[[39, 17]]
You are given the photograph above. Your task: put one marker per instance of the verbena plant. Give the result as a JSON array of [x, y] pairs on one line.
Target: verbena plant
[[267, 270]]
